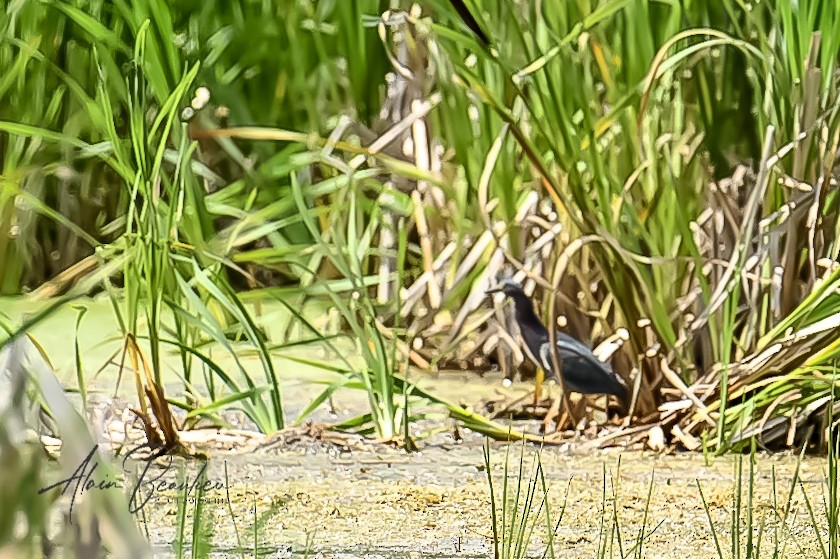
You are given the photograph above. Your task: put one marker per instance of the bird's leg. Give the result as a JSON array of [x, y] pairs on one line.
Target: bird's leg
[[538, 385]]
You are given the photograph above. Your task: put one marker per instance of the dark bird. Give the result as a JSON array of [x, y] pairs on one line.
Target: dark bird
[[582, 371]]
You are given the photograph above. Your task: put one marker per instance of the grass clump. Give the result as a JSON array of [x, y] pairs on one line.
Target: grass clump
[[663, 174]]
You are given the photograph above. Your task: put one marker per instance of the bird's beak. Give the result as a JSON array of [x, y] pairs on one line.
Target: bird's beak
[[493, 290]]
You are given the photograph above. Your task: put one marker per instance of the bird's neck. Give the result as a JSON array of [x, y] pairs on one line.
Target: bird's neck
[[525, 315]]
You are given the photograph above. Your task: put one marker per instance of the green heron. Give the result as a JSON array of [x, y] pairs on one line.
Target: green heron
[[582, 371]]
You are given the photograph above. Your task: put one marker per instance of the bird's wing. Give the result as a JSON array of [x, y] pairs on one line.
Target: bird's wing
[[570, 348], [589, 377], [580, 366]]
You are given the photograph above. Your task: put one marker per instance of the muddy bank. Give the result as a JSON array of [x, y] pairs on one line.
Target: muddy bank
[[360, 499], [377, 501]]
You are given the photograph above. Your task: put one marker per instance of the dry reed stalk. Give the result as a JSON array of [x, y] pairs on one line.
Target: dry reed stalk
[[415, 292], [739, 256], [403, 348]]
